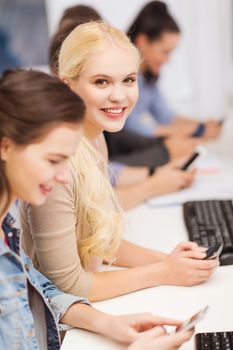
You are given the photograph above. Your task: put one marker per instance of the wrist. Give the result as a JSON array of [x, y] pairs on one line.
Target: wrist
[[152, 186], [155, 185], [165, 271], [155, 275], [163, 131], [102, 324]]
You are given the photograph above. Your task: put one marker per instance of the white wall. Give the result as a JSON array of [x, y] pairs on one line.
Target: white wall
[[199, 78]]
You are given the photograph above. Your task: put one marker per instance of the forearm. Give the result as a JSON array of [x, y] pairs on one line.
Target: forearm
[[131, 175], [163, 131], [110, 284], [84, 316], [180, 126], [179, 119], [131, 196], [132, 255]]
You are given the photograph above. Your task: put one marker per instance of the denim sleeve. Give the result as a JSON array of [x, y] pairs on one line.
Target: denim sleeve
[[57, 300], [60, 304], [159, 109]]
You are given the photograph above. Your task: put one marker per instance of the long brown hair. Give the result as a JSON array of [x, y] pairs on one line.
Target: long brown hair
[[31, 103]]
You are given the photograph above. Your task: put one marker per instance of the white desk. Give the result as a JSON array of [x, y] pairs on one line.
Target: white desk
[[163, 228]]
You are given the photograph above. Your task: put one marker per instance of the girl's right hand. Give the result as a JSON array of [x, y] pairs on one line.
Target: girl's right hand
[[185, 265], [169, 178], [157, 338]]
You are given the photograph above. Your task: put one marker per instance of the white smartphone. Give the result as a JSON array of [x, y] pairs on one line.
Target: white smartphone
[[191, 322]]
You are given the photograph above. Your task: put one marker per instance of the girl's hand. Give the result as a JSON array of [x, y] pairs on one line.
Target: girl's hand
[[185, 265], [127, 328], [157, 338]]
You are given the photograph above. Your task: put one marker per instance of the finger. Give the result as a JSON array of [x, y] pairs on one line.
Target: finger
[[166, 321], [194, 254], [207, 264], [171, 341], [187, 246], [152, 333], [177, 163], [181, 337], [147, 318]]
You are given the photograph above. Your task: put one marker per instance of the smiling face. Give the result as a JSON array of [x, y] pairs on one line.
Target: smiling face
[[33, 170], [157, 52], [108, 86]]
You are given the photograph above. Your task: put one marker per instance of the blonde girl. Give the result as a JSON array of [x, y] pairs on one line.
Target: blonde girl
[[81, 224]]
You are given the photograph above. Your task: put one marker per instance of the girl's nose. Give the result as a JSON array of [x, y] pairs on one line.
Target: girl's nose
[[117, 94]]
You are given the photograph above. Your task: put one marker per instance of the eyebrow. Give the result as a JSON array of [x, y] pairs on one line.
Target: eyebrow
[[108, 76], [58, 155]]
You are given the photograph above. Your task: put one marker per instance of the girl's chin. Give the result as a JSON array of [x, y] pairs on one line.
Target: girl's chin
[[37, 200], [114, 127]]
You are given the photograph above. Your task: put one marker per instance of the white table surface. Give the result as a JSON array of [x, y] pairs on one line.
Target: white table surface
[[163, 228]]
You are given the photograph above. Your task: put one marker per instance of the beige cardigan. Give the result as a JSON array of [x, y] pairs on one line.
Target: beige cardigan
[[49, 238]]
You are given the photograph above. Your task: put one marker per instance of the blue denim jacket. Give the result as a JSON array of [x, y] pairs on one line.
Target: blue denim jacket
[[30, 305]]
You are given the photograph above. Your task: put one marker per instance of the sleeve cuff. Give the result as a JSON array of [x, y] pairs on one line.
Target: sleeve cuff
[[61, 303]]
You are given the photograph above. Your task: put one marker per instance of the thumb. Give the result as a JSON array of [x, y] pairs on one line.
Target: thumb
[[185, 246], [153, 332]]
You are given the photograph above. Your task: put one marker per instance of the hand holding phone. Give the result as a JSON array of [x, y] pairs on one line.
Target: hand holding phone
[[191, 322], [214, 251]]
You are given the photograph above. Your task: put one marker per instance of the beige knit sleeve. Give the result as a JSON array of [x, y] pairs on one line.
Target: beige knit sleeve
[[52, 228]]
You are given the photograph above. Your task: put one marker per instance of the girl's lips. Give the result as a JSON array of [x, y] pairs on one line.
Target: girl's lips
[[45, 189], [114, 113]]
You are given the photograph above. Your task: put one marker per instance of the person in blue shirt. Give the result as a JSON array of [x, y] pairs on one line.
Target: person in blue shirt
[[40, 127], [156, 34]]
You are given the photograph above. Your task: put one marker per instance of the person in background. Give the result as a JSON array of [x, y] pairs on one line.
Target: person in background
[[99, 63], [133, 184], [40, 127], [156, 34], [21, 21]]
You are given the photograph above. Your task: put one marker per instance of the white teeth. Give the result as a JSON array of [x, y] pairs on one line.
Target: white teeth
[[114, 111]]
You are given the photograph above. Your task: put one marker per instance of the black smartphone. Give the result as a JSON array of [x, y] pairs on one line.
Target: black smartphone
[[191, 322], [214, 251], [221, 121], [186, 165]]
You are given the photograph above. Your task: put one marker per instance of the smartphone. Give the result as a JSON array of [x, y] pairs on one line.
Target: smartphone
[[221, 121], [191, 322], [214, 251], [187, 164]]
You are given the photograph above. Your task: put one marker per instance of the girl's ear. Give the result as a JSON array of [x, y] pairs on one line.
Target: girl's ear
[[5, 148], [65, 80], [141, 41]]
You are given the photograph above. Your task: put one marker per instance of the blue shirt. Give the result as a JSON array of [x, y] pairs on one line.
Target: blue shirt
[[30, 305], [150, 110]]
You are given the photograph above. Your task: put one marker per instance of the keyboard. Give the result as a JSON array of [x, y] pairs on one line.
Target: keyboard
[[214, 341], [209, 222]]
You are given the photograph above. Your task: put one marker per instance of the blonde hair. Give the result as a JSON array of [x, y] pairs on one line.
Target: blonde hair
[[99, 216], [85, 40]]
